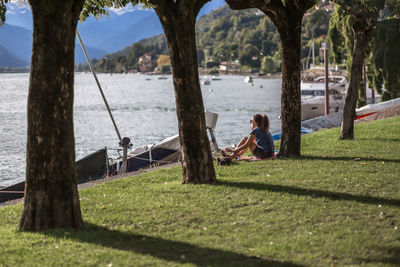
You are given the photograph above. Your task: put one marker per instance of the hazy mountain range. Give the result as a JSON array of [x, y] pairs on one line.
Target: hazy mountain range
[[108, 34]]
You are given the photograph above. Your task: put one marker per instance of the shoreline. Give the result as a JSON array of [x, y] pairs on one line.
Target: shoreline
[[103, 180]]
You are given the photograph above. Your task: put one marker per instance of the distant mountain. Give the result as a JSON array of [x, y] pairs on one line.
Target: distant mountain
[[96, 32], [8, 60], [134, 33], [226, 35], [17, 40], [107, 34], [93, 52]]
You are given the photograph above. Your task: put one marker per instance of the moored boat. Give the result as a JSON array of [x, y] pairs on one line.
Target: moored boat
[[248, 79], [90, 168]]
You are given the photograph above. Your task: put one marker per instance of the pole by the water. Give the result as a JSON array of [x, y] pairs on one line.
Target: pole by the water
[[365, 83], [313, 53], [99, 86], [372, 95], [325, 46]]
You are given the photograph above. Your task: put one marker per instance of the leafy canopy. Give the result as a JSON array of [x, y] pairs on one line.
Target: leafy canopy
[[3, 11]]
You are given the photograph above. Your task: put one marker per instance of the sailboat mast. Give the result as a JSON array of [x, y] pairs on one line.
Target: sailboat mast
[[313, 53], [98, 85]]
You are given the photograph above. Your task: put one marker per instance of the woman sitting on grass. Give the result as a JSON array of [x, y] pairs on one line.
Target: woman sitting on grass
[[259, 141]]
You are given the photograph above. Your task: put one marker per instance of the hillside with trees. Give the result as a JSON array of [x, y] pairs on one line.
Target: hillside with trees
[[247, 37]]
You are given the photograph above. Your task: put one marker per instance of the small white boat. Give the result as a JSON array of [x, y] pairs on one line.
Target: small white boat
[[205, 80], [163, 152], [248, 79], [216, 78]]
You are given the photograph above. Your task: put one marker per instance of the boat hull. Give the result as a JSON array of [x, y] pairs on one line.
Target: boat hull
[[89, 168]]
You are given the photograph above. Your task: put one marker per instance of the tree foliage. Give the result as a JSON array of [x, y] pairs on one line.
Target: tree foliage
[[3, 11], [340, 35], [385, 59], [382, 52], [317, 23]]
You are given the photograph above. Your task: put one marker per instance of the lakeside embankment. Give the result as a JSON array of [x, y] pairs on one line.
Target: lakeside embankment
[[338, 204]]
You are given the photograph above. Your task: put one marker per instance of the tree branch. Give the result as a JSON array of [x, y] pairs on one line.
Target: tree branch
[[199, 4], [246, 4], [305, 5]]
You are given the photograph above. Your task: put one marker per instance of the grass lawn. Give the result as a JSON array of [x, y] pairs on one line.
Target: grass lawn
[[338, 204]]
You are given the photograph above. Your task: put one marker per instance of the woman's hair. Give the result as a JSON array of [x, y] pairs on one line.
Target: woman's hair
[[262, 122]]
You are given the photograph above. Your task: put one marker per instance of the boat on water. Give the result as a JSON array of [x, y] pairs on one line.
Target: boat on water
[[313, 96], [162, 78], [248, 79], [205, 80], [216, 78]]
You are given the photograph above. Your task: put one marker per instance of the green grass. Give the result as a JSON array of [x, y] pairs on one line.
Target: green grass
[[337, 205]]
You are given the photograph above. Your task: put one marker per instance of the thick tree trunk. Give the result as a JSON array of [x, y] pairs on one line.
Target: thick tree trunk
[[287, 17], [51, 196], [290, 33], [361, 39], [179, 28]]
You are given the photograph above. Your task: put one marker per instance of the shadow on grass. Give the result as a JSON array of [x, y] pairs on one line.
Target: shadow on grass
[[393, 256], [380, 139], [332, 158], [311, 193], [169, 250]]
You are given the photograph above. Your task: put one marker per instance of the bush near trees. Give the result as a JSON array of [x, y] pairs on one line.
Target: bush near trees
[[366, 32], [268, 65], [165, 68]]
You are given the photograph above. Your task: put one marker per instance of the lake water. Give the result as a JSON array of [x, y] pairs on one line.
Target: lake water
[[144, 110]]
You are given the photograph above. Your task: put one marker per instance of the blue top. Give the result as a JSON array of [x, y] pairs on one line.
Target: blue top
[[264, 140]]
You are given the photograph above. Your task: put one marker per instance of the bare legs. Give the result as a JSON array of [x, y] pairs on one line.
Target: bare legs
[[242, 143]]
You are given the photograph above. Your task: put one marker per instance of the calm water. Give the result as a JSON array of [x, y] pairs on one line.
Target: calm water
[[144, 110]]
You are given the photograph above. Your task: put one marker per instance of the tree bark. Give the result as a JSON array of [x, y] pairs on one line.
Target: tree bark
[[361, 29], [51, 196], [290, 34], [287, 18], [178, 22]]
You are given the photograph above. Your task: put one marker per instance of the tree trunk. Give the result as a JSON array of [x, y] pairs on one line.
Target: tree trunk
[[51, 196], [287, 17], [290, 33], [179, 27], [361, 39]]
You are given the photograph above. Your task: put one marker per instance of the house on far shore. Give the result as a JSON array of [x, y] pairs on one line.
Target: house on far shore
[[229, 66], [146, 63]]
